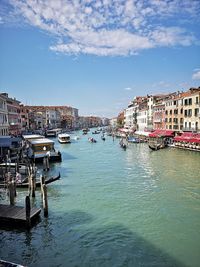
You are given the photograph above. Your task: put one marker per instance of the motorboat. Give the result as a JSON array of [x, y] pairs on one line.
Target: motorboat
[[92, 140], [76, 137], [40, 148], [64, 138], [52, 132]]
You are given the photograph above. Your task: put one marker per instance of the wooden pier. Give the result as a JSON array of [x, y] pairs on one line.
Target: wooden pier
[[17, 216]]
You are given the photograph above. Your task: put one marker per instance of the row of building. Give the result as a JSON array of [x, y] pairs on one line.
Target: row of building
[[16, 118], [178, 111]]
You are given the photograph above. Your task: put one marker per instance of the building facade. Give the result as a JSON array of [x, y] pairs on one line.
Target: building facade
[[4, 125]]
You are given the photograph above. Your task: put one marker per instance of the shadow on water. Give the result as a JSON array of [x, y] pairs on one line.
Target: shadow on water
[[70, 240], [67, 156]]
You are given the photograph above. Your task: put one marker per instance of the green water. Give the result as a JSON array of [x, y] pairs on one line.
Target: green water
[[115, 208]]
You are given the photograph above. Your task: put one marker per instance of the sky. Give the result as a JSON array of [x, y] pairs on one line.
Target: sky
[[97, 55]]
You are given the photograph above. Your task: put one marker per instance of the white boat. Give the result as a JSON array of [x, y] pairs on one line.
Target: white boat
[[76, 137], [64, 138], [40, 148], [53, 132]]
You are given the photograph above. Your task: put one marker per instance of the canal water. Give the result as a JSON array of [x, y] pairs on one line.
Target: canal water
[[115, 208]]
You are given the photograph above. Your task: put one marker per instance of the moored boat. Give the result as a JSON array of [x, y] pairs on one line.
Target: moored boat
[[14, 167], [40, 148], [64, 138], [160, 139], [25, 184]]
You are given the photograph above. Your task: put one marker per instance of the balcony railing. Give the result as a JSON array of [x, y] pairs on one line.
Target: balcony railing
[[188, 129], [157, 120]]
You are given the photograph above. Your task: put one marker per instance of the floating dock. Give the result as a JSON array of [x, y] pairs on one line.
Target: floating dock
[[15, 216]]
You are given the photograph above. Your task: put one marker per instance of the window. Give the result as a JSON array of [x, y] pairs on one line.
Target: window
[[170, 127], [189, 112], [185, 113], [189, 125], [170, 112], [165, 119], [181, 111], [196, 111], [190, 101], [170, 119], [186, 102], [166, 112], [197, 100]]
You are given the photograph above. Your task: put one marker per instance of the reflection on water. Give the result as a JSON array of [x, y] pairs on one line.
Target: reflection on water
[[115, 208]]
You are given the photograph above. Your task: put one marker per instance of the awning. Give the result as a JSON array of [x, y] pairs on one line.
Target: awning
[[142, 133], [124, 130], [162, 133], [188, 137]]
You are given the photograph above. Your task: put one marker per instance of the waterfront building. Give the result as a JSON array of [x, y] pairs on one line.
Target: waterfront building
[[130, 116], [113, 122], [159, 115], [105, 121], [191, 109], [4, 126], [24, 114], [142, 115], [14, 118], [150, 101], [53, 118]]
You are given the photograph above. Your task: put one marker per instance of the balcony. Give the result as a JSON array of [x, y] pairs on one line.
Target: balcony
[[187, 129], [157, 120]]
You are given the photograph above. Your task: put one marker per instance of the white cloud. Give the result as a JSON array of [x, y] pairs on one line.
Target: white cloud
[[110, 27], [196, 75], [128, 89]]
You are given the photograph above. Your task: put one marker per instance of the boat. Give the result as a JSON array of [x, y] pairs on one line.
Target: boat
[[103, 138], [96, 132], [134, 140], [28, 137], [14, 167], [76, 137], [155, 146], [9, 264], [52, 132], [123, 143], [64, 138], [40, 148], [160, 139], [92, 140], [25, 184], [85, 131]]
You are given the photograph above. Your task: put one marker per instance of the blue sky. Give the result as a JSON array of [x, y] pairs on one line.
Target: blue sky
[[97, 55]]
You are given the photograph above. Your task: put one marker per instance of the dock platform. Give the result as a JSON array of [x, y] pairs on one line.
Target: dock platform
[[15, 216]]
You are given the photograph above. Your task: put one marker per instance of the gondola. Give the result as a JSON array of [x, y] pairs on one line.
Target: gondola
[[25, 184], [154, 148]]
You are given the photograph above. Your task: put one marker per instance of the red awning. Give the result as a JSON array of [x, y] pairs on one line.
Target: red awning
[[162, 133], [188, 137]]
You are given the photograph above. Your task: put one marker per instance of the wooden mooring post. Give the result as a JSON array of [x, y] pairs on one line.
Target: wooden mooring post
[[33, 185], [45, 201], [46, 163], [28, 211], [44, 195], [12, 192]]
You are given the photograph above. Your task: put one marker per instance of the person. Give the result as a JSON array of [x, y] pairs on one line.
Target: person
[[18, 178], [48, 154]]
